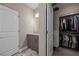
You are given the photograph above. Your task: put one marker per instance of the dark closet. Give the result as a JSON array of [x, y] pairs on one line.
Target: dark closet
[[69, 31]]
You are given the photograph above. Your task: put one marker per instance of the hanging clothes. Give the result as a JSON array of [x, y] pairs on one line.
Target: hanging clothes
[[77, 23], [61, 25], [72, 23], [69, 25], [64, 24], [74, 42], [70, 41], [65, 40], [78, 41]]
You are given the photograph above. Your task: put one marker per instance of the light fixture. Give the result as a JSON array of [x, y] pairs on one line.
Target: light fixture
[[37, 15]]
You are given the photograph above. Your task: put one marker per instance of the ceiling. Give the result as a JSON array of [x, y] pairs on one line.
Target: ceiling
[[33, 5]]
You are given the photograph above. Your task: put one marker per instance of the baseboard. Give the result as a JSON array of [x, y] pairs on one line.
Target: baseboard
[[23, 49]]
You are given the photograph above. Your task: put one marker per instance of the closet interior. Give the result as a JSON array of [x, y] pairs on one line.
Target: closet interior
[[69, 31]]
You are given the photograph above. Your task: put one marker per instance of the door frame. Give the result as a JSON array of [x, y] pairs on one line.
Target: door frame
[[46, 29]]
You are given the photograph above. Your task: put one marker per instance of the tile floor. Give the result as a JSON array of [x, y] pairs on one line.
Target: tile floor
[[26, 52]]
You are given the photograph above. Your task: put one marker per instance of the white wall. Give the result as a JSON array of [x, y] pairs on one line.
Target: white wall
[[65, 9], [36, 26], [42, 29]]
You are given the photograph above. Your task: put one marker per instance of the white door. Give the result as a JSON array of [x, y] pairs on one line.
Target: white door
[[8, 31], [8, 19], [49, 30]]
